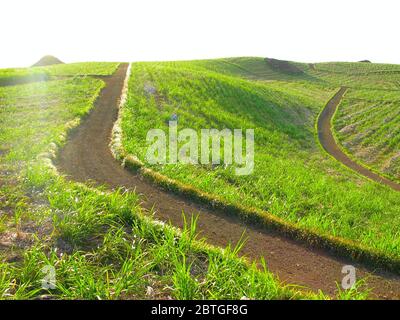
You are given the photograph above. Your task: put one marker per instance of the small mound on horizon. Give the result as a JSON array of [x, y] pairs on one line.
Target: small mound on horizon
[[283, 66], [365, 61], [47, 61]]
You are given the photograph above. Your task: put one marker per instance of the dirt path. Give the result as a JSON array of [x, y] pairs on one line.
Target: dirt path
[[329, 144], [87, 157]]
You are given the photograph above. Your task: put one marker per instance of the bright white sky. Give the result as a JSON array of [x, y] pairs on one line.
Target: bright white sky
[[123, 30]]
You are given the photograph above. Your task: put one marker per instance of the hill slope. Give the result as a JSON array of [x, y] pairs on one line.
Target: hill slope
[[293, 178], [115, 252]]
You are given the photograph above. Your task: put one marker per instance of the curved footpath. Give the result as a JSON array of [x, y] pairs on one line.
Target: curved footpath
[[87, 156], [328, 142]]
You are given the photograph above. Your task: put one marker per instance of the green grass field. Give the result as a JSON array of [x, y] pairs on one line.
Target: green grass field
[[100, 243], [72, 69], [294, 179], [18, 72], [80, 68], [359, 75]]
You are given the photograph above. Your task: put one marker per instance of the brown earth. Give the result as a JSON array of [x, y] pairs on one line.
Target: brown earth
[[328, 142], [87, 156]]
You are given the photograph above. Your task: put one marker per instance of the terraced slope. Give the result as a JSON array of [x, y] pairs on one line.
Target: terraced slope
[[367, 125], [253, 68], [294, 180]]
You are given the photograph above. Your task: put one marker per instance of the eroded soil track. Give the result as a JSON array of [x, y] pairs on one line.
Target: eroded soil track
[[328, 142], [87, 156]]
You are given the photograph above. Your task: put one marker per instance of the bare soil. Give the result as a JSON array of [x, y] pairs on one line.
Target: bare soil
[[87, 157]]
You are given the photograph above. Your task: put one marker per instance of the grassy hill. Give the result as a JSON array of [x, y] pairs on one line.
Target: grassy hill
[[115, 251], [294, 179], [100, 243]]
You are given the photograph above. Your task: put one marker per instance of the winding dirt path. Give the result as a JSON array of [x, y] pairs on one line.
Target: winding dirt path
[[328, 142], [87, 156]]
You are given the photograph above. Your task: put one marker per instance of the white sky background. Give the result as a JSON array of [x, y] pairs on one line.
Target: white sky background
[[123, 30]]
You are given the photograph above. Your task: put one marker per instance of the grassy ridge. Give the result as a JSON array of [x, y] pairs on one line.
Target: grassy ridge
[[80, 68], [358, 75], [293, 179], [253, 68], [99, 242], [16, 75]]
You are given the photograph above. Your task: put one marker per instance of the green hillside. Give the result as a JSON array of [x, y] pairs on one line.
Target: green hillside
[[116, 251], [18, 75], [294, 179], [100, 243]]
